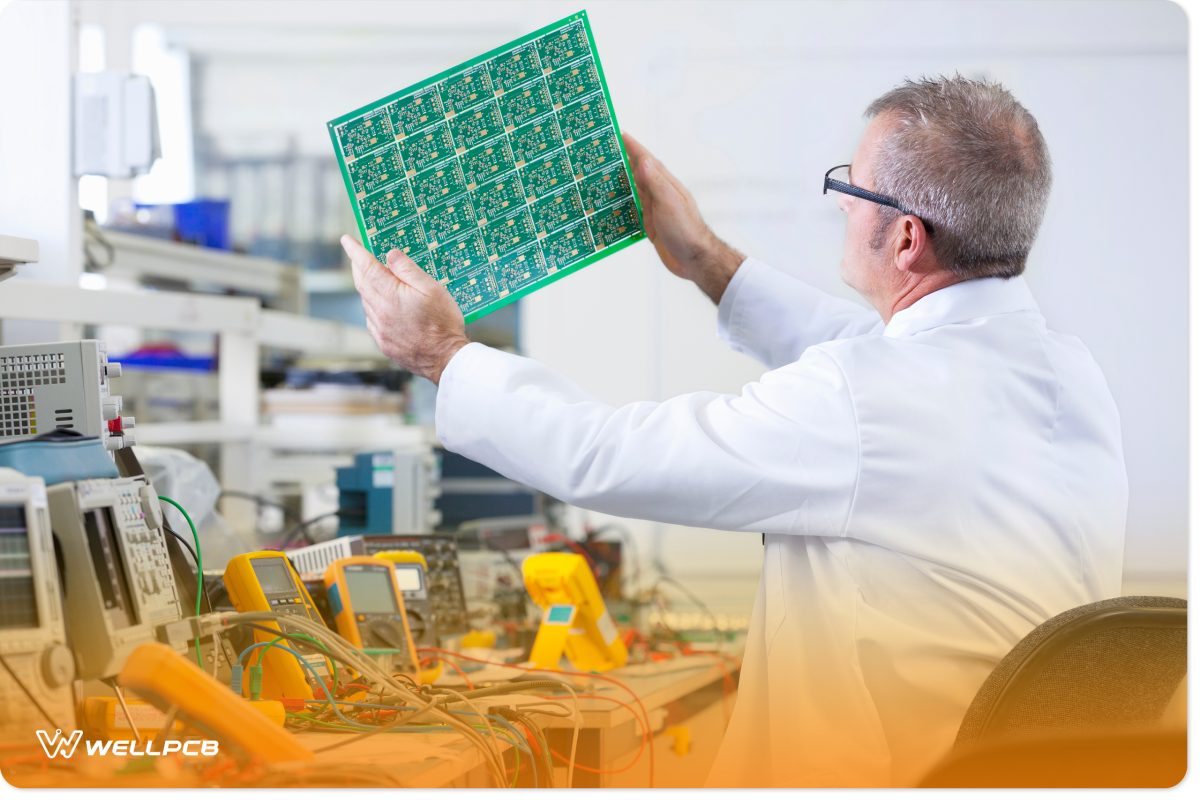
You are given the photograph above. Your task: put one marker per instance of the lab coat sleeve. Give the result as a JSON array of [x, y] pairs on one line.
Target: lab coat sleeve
[[773, 317], [781, 457]]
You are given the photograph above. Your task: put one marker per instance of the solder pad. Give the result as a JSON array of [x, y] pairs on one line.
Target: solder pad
[[498, 176]]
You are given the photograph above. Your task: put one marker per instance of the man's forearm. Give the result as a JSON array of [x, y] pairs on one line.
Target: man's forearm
[[715, 268]]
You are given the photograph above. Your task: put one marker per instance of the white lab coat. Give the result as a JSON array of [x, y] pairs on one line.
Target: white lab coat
[[930, 490]]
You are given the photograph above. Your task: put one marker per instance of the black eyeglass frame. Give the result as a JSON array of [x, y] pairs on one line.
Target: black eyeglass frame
[[867, 194]]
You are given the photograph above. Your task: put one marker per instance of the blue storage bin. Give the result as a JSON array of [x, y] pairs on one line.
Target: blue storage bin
[[204, 222]]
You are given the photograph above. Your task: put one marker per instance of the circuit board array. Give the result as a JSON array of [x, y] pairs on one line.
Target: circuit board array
[[497, 176]]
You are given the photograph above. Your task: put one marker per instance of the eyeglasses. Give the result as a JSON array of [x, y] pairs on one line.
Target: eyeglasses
[[838, 179]]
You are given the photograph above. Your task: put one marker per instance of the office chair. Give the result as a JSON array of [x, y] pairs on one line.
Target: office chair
[[1077, 702]]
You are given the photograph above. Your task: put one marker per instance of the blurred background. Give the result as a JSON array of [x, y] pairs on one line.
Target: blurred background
[[748, 103]]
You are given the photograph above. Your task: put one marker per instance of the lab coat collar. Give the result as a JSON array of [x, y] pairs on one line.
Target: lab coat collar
[[972, 299]]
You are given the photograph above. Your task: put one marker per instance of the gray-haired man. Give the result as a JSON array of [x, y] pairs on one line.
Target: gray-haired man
[[933, 478]]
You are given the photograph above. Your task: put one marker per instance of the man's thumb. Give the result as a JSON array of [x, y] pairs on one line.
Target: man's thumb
[[647, 172]]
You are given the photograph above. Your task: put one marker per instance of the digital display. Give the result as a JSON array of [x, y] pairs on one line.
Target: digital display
[[274, 576], [18, 604], [409, 578], [100, 529], [559, 615], [371, 591]]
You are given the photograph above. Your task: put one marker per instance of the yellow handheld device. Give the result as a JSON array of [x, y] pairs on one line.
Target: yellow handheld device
[[166, 678], [412, 576], [368, 608], [265, 581], [575, 620]]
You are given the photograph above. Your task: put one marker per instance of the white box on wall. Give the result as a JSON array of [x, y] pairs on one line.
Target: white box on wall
[[116, 127]]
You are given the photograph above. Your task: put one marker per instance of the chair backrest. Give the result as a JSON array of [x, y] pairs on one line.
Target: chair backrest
[[1104, 666], [1145, 759]]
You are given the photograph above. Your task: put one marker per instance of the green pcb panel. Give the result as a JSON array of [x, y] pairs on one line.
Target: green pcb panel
[[498, 176]]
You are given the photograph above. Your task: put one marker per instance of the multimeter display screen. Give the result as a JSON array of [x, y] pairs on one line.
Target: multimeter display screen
[[409, 578], [371, 591], [273, 576]]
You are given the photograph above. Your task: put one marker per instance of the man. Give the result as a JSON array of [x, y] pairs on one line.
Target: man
[[933, 480]]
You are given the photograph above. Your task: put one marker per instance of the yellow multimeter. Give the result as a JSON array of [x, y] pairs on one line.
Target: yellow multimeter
[[265, 581], [576, 620], [368, 607], [412, 573]]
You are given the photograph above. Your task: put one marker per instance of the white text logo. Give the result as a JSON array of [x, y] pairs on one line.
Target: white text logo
[[64, 746], [59, 745]]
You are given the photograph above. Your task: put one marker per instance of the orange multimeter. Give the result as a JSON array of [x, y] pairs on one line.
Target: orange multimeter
[[265, 581], [367, 605]]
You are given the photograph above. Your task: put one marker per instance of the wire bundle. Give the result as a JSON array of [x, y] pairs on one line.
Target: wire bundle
[[411, 707]]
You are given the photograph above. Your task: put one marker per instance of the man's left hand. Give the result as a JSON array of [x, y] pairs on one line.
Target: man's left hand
[[411, 316]]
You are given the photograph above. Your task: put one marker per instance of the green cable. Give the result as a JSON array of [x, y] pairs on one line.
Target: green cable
[[199, 569]]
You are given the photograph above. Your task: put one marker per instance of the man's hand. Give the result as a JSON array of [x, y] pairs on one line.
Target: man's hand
[[685, 243], [412, 317]]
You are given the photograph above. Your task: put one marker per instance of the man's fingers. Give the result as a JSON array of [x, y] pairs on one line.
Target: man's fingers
[[405, 269]]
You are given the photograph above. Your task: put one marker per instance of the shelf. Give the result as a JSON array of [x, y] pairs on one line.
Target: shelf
[[176, 311], [176, 433], [319, 433], [137, 256], [328, 281], [330, 434], [315, 336], [15, 250]]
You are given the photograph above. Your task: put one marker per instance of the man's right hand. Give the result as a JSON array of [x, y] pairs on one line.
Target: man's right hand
[[685, 243]]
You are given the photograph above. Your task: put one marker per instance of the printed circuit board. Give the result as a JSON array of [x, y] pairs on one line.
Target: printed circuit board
[[497, 176]]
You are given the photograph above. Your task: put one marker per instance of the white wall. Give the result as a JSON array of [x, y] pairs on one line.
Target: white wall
[[750, 108], [749, 103], [38, 198]]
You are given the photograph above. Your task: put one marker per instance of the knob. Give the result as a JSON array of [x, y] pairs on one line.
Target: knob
[[58, 666], [111, 407], [112, 369], [150, 505]]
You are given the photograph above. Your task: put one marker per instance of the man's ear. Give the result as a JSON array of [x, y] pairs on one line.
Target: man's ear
[[910, 243]]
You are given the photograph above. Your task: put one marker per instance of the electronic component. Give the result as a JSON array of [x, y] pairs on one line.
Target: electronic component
[[446, 599], [38, 668], [61, 385], [265, 581], [575, 621], [528, 121], [165, 678], [116, 569], [368, 608], [392, 492]]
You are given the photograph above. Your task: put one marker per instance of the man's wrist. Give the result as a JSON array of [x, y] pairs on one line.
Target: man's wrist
[[716, 268], [442, 355]]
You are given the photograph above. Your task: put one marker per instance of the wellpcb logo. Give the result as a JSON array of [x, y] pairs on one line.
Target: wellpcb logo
[[60, 746]]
